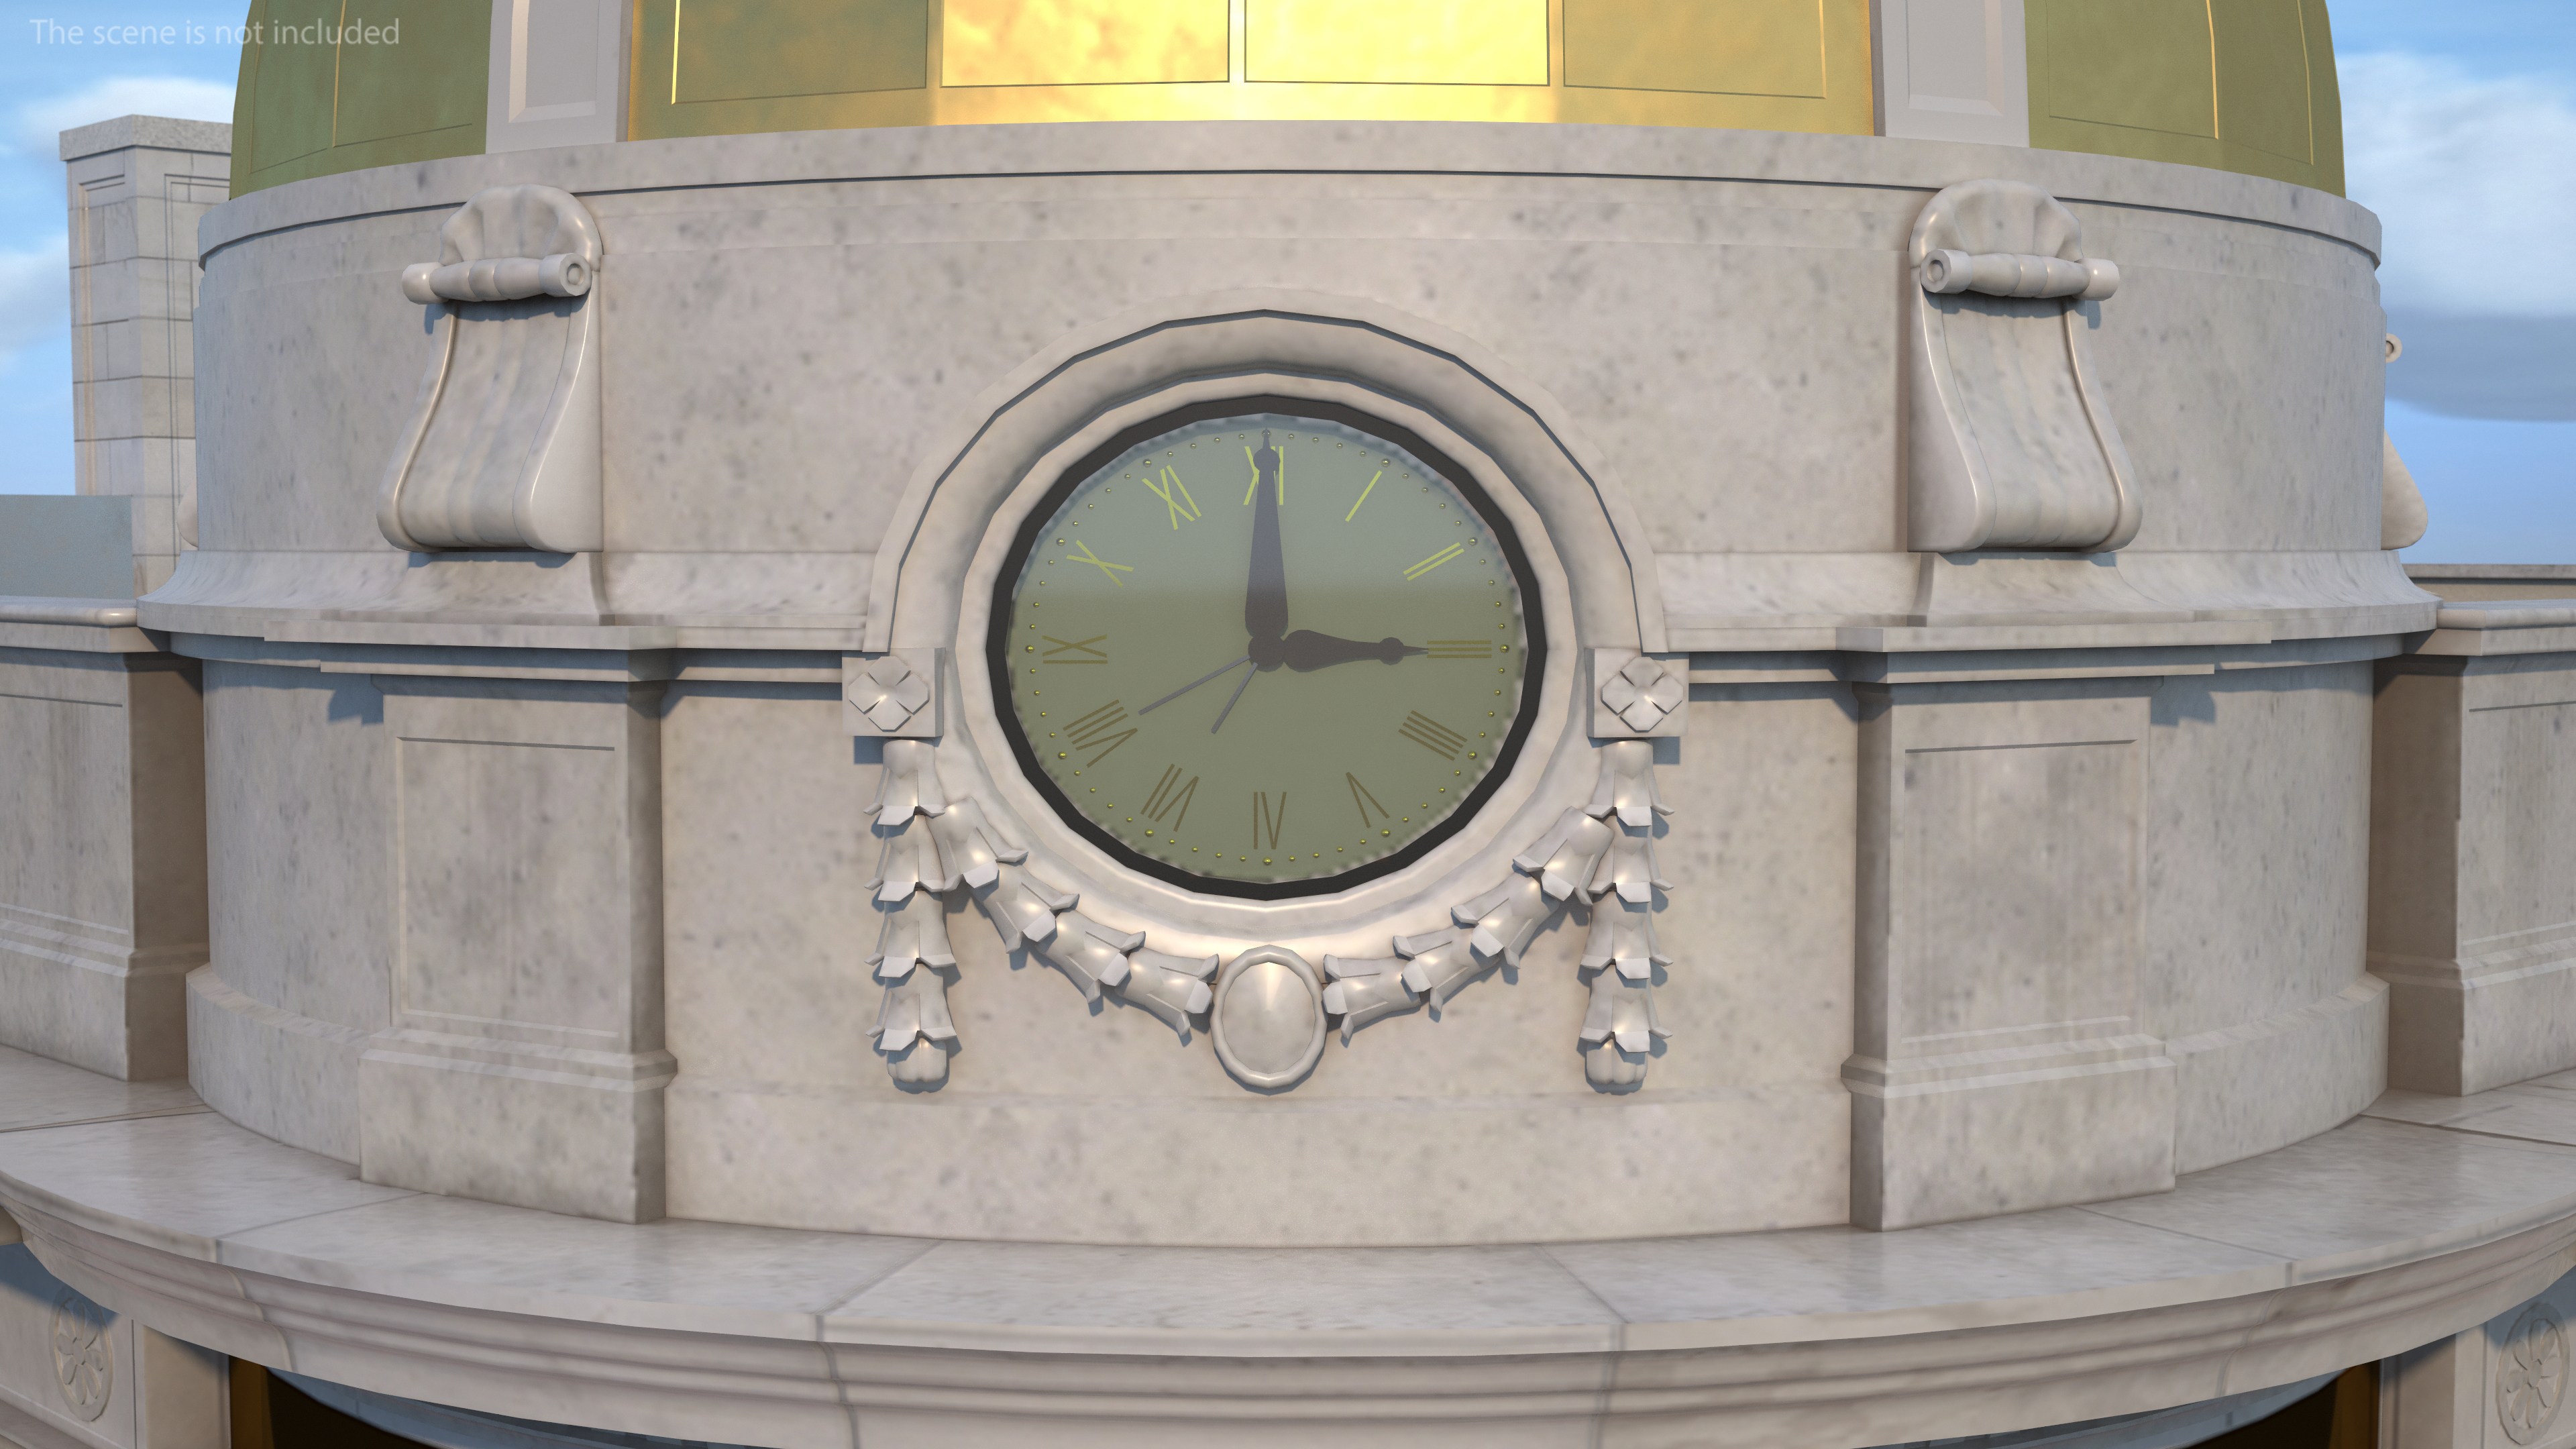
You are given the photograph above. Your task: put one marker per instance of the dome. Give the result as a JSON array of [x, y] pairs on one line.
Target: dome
[[2246, 87]]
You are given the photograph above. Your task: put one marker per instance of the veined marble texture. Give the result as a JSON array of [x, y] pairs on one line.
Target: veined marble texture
[[2427, 1216], [1999, 880], [102, 838]]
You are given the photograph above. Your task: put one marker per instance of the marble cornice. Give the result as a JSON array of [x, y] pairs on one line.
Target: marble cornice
[[2381, 1234], [78, 626], [1880, 615], [1635, 154]]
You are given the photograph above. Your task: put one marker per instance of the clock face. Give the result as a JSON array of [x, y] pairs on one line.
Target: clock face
[[1266, 648]]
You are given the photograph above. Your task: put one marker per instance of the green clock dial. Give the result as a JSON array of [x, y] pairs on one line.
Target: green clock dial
[[1266, 648]]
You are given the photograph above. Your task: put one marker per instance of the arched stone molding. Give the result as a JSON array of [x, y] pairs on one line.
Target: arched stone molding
[[1556, 769], [1445, 917], [1242, 342]]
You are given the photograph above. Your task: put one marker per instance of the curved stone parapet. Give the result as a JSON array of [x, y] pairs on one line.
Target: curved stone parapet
[[2243, 1281], [1825, 862]]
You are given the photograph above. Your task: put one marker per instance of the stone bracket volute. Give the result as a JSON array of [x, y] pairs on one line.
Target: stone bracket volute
[[502, 451], [2010, 441]]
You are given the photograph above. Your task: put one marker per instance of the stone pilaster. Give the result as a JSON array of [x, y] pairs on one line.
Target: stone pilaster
[[134, 189]]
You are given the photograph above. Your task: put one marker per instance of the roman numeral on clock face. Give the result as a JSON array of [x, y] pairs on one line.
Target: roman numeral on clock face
[[1435, 561], [1268, 816], [1387, 580], [1365, 801], [1100, 729], [1432, 735], [1172, 797], [1178, 504]]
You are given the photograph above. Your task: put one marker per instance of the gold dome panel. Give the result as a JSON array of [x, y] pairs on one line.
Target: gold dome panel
[[715, 67], [2247, 86]]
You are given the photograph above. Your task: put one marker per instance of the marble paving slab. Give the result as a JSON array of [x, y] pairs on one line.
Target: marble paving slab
[[37, 1092]]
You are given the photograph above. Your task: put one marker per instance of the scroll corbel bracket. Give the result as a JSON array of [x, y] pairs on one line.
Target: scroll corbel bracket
[[503, 448], [2010, 438]]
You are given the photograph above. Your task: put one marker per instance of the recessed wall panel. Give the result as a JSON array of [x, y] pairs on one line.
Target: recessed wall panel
[[505, 846], [2024, 889]]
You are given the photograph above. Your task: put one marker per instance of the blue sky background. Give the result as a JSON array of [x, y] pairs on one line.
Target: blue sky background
[[2459, 130]]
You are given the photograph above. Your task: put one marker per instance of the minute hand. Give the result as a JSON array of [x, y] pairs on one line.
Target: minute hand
[[1307, 649], [1265, 589]]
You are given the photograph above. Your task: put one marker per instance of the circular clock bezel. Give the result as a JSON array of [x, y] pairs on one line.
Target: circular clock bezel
[[1506, 756]]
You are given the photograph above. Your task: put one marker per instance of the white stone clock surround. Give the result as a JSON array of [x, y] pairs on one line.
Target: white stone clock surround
[[1218, 355], [1555, 770]]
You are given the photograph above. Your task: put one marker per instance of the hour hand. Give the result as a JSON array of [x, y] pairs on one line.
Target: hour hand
[[1265, 589], [1307, 649]]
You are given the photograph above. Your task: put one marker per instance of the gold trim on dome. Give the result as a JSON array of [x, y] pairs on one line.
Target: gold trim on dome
[[731, 67]]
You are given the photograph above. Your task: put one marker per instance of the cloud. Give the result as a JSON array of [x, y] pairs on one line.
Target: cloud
[[40, 122], [35, 295], [2474, 181], [2518, 368]]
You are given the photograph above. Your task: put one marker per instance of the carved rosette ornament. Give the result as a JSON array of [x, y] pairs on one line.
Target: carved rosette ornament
[[1271, 1011], [2531, 1374], [84, 1356], [895, 694], [1638, 694]]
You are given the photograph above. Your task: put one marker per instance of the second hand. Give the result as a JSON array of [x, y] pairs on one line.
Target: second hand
[[1229, 701], [1195, 683]]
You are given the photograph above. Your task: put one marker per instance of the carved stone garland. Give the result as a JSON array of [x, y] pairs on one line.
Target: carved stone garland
[[932, 845]]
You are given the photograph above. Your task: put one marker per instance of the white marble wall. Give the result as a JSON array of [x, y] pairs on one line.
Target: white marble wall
[[2229, 354], [2473, 822], [2166, 942], [102, 845], [1405, 1135], [523, 1059], [2254, 950], [300, 866]]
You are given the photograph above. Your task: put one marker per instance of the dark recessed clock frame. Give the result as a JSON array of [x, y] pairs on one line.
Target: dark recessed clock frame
[[1524, 713]]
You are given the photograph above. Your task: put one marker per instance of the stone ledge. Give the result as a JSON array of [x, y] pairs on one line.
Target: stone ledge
[[166, 132], [1618, 154], [2362, 1242]]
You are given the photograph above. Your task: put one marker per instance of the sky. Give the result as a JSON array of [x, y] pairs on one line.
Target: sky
[[2459, 131]]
